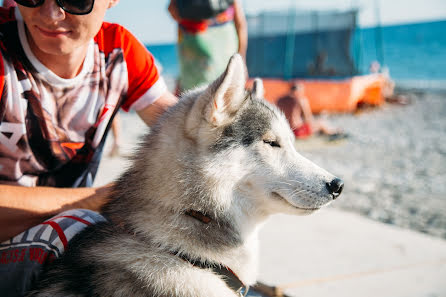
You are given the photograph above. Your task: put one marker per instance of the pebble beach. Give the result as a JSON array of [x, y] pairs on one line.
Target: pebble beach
[[393, 163]]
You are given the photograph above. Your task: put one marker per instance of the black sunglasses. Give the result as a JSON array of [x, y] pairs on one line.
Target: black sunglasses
[[78, 7]]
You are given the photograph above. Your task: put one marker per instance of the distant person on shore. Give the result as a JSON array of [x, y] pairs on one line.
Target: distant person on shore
[[319, 67], [65, 74], [207, 38], [388, 90], [297, 110]]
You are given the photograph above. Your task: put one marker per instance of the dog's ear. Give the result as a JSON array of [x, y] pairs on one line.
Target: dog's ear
[[227, 92], [257, 89], [218, 103]]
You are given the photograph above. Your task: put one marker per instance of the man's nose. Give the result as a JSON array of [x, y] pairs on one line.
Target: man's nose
[[51, 10]]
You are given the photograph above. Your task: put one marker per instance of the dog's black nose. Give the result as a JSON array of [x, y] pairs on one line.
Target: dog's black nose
[[335, 187]]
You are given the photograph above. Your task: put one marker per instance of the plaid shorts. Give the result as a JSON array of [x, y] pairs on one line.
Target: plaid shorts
[[23, 256]]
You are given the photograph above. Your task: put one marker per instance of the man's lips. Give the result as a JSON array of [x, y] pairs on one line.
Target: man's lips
[[53, 33]]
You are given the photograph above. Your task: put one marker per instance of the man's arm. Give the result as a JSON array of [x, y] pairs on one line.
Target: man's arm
[[24, 207], [306, 109], [151, 113], [241, 28]]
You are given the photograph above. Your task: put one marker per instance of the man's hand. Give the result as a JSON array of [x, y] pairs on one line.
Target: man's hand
[[24, 207]]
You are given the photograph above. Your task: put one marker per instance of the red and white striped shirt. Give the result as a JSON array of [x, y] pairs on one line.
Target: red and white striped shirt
[[52, 130]]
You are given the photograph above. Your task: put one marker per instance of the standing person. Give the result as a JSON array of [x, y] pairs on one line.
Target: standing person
[[64, 74], [205, 45], [298, 112]]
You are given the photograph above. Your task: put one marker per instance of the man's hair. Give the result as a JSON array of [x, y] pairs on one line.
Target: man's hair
[[296, 86]]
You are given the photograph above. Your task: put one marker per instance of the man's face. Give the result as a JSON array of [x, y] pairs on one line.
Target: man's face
[[53, 31], [299, 92]]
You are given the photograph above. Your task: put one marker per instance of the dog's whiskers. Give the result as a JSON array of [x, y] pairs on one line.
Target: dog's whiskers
[[281, 182], [297, 192]]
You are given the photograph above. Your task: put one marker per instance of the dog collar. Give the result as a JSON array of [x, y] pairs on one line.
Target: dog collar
[[198, 216], [229, 277]]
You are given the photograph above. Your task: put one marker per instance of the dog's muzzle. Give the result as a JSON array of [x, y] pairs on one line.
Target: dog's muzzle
[[335, 187]]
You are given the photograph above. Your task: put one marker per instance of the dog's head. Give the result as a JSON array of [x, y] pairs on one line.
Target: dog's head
[[245, 150]]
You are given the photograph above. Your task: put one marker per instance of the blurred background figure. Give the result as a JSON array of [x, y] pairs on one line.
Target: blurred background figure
[[297, 110], [388, 89], [207, 38], [374, 67], [9, 3]]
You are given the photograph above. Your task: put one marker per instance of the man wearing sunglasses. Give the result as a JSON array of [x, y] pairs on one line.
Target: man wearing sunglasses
[[64, 73]]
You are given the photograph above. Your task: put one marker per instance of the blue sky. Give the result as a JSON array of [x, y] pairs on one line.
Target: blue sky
[[151, 23]]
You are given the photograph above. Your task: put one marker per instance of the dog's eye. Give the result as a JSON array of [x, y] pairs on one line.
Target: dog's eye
[[272, 143]]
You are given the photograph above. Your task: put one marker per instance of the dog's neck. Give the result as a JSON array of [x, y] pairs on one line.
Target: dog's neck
[[242, 254], [229, 277], [223, 237]]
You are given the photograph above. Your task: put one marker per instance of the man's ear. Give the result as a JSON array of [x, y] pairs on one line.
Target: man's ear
[[113, 3]]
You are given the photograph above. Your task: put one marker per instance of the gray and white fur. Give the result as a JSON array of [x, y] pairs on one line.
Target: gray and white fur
[[222, 152]]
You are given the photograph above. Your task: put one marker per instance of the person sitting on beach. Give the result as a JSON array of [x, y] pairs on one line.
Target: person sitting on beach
[[65, 73], [297, 110]]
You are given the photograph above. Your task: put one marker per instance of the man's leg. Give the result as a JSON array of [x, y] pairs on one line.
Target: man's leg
[[23, 256]]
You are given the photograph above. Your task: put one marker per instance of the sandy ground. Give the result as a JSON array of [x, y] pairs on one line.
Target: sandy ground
[[393, 164]]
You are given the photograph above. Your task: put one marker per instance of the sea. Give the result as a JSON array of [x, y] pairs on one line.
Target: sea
[[415, 54]]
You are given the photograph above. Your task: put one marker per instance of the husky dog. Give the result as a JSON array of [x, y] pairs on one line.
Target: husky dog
[[183, 219]]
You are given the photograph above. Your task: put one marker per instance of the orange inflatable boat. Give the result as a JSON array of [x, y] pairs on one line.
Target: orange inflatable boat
[[331, 95]]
